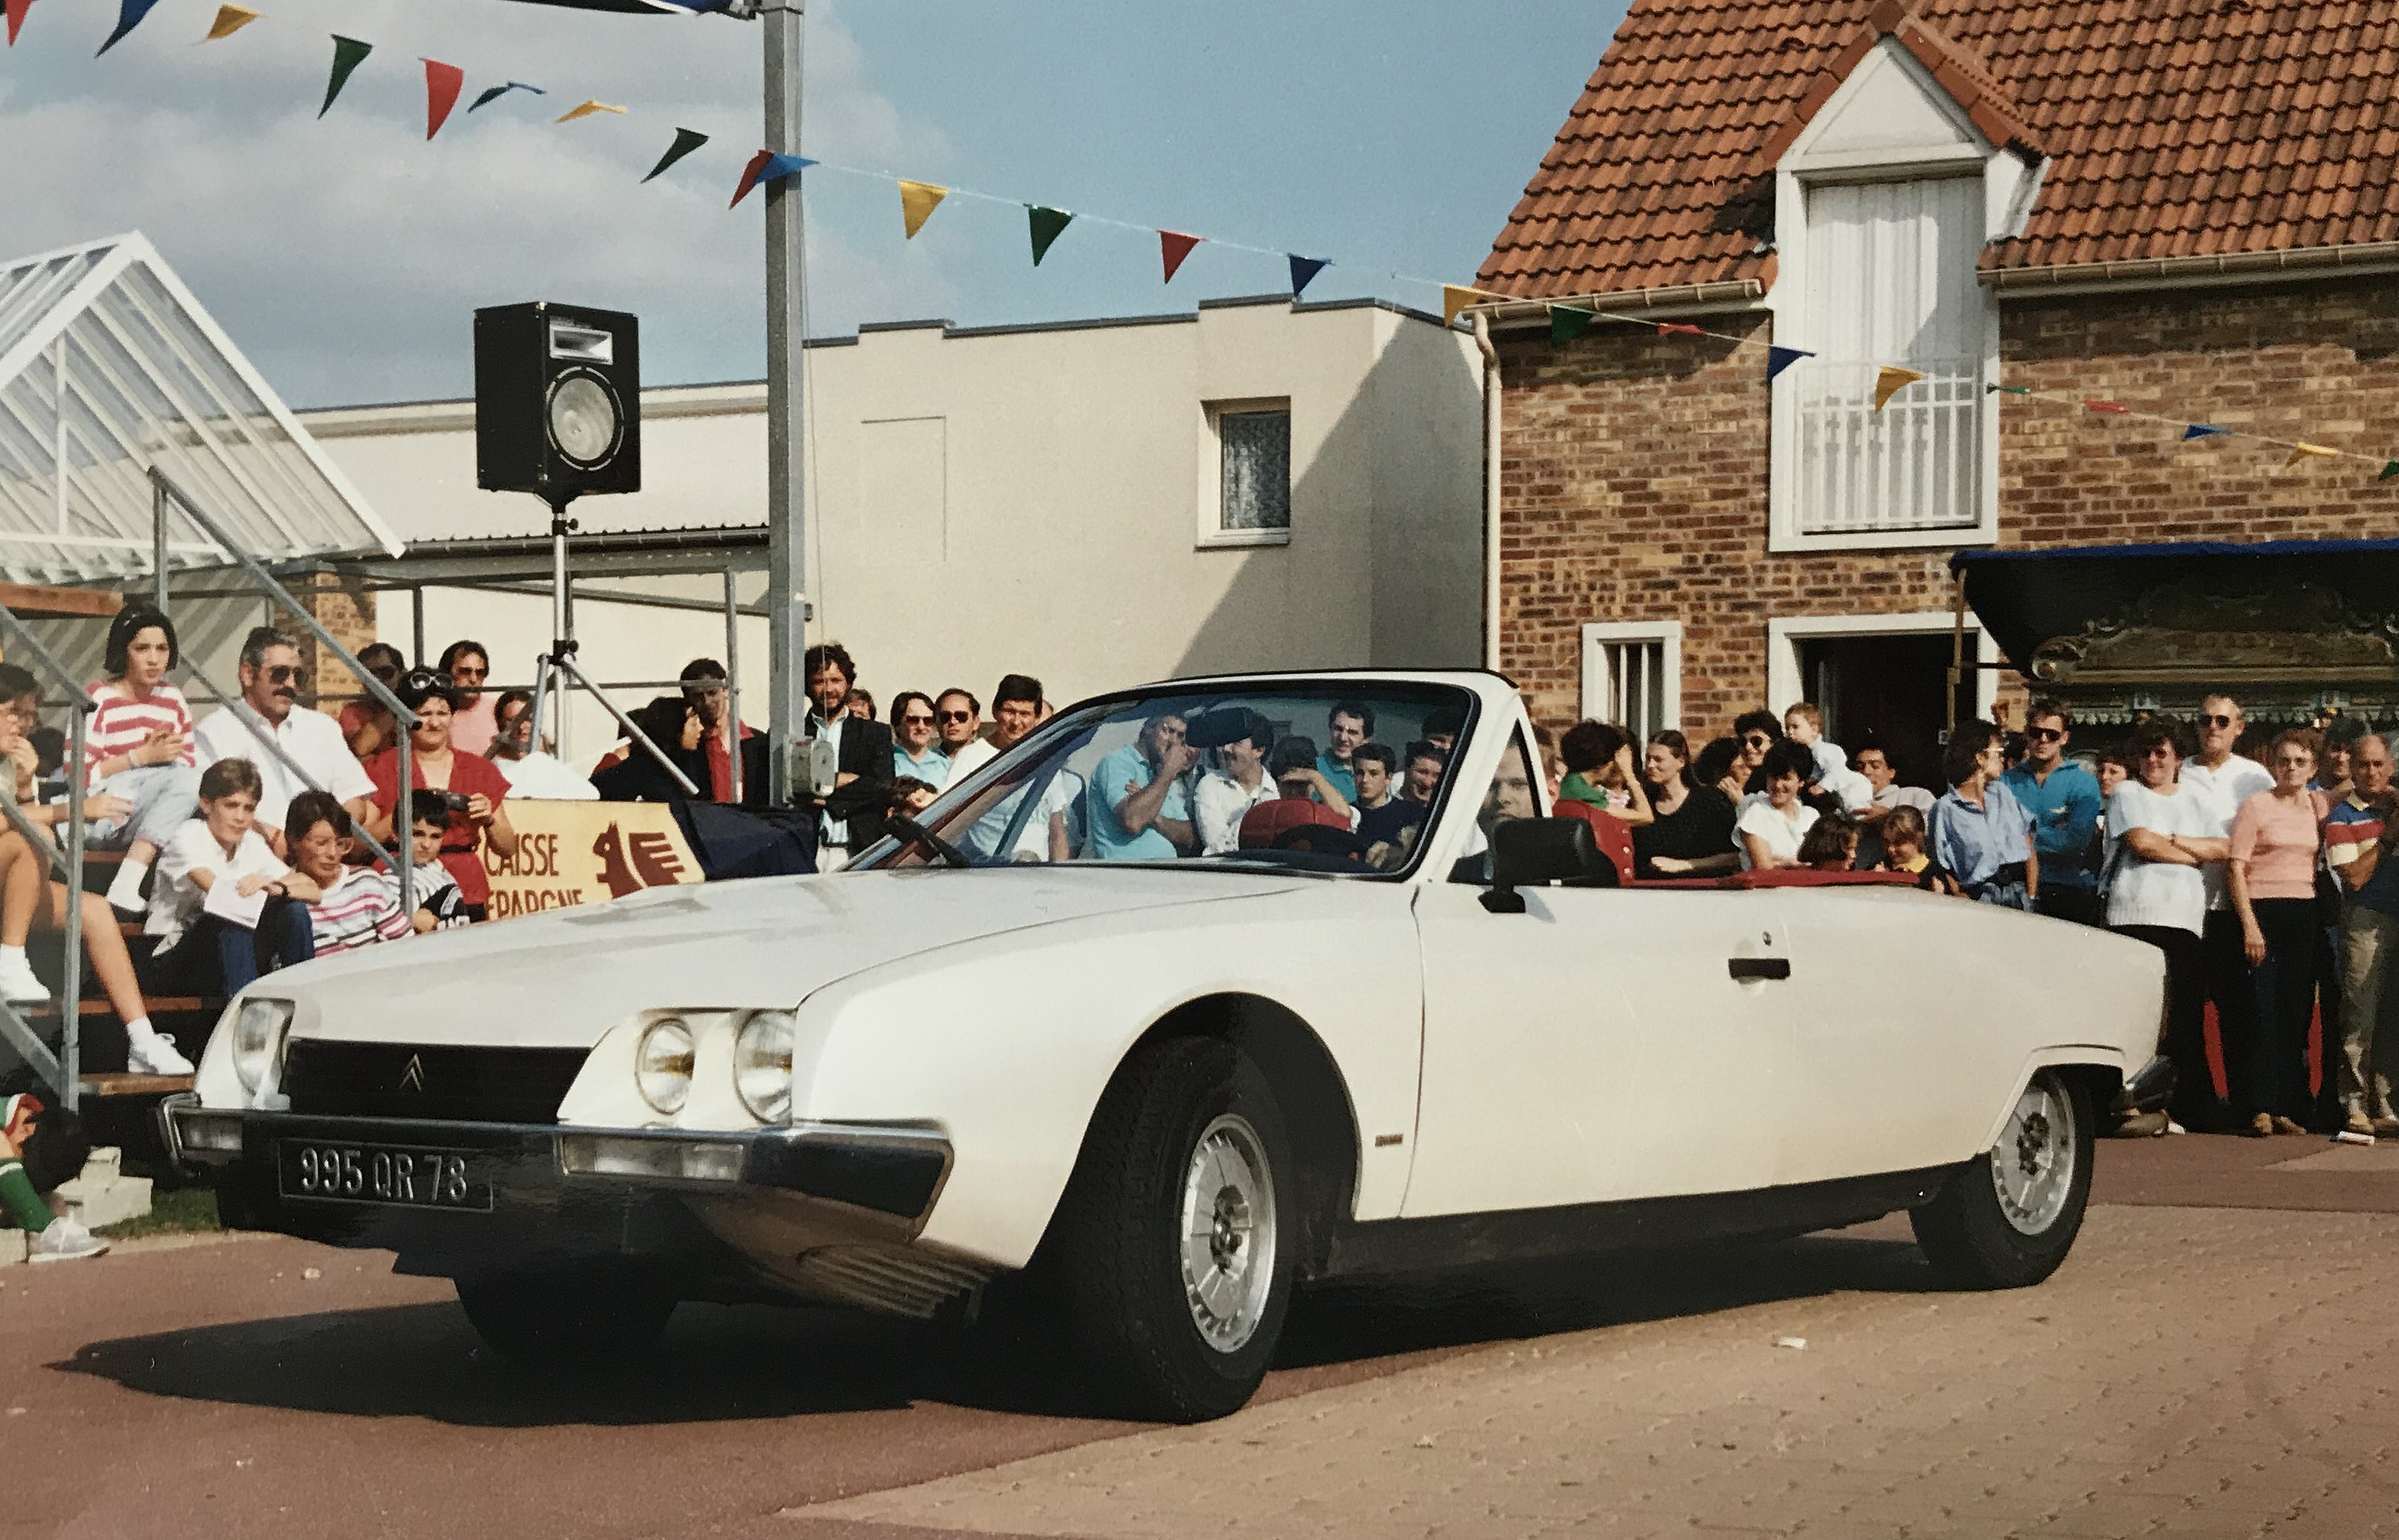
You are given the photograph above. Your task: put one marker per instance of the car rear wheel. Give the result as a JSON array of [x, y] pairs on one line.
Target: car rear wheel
[[565, 1317], [2007, 1218], [1173, 1253]]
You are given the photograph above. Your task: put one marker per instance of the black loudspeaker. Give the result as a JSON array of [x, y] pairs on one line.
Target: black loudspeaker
[[558, 400]]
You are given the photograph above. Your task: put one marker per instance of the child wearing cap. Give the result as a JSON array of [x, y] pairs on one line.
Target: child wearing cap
[[55, 1237]]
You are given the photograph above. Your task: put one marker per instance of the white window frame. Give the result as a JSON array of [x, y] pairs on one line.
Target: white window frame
[[1798, 172], [1786, 683], [1211, 534], [1596, 684]]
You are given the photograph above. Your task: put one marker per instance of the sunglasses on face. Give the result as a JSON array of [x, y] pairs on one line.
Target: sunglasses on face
[[286, 673], [1759, 740], [914, 720], [957, 716], [2218, 721], [2048, 735], [2160, 753]]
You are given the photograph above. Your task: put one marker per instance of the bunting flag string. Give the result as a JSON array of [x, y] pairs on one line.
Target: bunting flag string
[[1778, 357], [2200, 430], [1567, 322], [493, 93], [130, 15], [2297, 451], [918, 201], [1303, 271], [2300, 452], [1172, 246], [765, 166], [1889, 380], [17, 9], [1045, 225], [2116, 409], [349, 54], [443, 84], [586, 108], [685, 142], [230, 19]]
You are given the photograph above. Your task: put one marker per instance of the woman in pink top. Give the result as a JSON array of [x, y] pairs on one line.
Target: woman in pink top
[[2272, 873], [139, 746]]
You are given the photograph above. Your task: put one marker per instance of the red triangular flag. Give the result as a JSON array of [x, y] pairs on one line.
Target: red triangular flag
[[1174, 248], [750, 176], [443, 84], [2112, 407], [1673, 329], [17, 9]]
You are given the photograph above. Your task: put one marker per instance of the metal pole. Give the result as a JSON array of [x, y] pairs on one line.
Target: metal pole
[[733, 685], [416, 626], [569, 668], [787, 606], [159, 542], [1956, 650], [71, 992]]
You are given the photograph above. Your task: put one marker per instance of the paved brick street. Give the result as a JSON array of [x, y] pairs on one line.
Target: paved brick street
[[2191, 1371]]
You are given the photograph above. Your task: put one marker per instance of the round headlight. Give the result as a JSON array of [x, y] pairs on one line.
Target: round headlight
[[662, 1065], [258, 1039], [762, 1065], [584, 423]]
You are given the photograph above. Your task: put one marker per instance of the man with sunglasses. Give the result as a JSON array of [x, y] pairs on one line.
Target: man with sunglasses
[[264, 720], [2224, 780], [2062, 801], [957, 716]]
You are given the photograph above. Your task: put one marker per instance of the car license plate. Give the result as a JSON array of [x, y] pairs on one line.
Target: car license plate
[[381, 1173]]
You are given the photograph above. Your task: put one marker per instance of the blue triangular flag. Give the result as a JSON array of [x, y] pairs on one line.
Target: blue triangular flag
[[498, 92], [779, 167], [1304, 269], [128, 16], [2201, 430], [1778, 357]]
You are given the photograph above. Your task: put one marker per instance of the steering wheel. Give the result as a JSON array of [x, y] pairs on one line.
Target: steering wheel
[[1321, 837]]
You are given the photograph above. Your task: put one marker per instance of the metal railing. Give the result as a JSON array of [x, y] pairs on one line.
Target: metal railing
[[62, 1071], [1914, 465]]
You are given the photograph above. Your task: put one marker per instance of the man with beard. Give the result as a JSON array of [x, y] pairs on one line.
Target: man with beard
[[265, 728]]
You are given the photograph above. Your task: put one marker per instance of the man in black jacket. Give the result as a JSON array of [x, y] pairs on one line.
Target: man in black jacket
[[851, 814]]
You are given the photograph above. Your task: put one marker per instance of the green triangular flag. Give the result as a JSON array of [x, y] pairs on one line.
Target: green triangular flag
[[1566, 323], [2390, 469], [2007, 390], [349, 54], [686, 140], [1048, 224]]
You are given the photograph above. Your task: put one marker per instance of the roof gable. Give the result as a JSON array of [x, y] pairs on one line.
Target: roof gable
[[1889, 108], [2179, 128]]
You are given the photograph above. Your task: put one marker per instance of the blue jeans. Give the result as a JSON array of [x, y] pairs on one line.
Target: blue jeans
[[213, 959], [165, 797]]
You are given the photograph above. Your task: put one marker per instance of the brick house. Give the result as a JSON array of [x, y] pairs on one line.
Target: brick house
[[2186, 206]]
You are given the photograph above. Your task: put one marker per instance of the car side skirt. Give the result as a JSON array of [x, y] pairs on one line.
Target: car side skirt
[[1465, 1241]]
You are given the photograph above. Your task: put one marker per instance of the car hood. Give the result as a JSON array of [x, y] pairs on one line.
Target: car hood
[[561, 979]]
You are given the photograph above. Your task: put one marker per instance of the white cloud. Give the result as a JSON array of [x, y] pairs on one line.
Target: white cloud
[[344, 254]]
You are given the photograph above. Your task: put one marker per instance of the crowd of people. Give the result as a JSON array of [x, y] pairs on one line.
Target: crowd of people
[[2263, 877]]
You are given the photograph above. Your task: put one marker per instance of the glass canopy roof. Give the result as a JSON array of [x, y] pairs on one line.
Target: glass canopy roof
[[109, 367]]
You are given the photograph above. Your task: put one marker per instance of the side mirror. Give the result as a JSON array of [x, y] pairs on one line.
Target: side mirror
[[1530, 852]]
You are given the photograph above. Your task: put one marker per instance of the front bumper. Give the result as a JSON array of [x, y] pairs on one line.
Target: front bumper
[[885, 1179]]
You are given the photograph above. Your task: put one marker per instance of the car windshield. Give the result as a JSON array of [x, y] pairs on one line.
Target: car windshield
[[1337, 777]]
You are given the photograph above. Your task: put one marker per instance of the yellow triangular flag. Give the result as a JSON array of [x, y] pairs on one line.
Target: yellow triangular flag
[[230, 19], [1455, 298], [918, 201], [1889, 380], [2300, 452], [586, 109]]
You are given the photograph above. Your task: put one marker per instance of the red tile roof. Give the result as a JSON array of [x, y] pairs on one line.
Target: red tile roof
[[2172, 129]]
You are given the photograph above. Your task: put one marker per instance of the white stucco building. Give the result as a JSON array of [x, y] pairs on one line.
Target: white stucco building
[[1258, 484]]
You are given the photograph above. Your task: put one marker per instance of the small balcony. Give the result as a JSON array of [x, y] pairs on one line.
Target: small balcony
[[1914, 466]]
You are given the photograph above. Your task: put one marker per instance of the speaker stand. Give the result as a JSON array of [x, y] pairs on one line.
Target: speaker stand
[[556, 669]]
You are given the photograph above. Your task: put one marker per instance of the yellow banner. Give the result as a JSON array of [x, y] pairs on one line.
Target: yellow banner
[[918, 201], [571, 853]]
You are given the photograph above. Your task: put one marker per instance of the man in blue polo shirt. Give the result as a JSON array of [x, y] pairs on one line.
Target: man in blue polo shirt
[[1137, 809], [1346, 726], [2354, 849], [2062, 801]]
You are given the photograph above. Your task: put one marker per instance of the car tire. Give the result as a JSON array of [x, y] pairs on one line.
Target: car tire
[[1177, 1326], [565, 1319], [2006, 1219]]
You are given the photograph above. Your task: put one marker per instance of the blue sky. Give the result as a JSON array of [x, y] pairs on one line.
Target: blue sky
[[344, 254]]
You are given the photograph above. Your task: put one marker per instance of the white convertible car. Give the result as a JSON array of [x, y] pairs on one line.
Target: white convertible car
[[1042, 1033]]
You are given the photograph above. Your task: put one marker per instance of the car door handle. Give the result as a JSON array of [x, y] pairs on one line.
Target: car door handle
[[1758, 967]]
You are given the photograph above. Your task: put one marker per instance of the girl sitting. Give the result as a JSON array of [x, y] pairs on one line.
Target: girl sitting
[[138, 746]]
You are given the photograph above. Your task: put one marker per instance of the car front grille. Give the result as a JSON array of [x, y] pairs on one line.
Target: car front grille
[[459, 1085]]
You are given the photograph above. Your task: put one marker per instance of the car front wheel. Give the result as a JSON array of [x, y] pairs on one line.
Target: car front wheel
[[2007, 1218], [565, 1317], [1172, 1250]]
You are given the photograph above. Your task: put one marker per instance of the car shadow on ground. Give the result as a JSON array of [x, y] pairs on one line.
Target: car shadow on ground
[[424, 1360]]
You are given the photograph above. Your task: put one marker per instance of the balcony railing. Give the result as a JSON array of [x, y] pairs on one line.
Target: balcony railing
[[1916, 464]]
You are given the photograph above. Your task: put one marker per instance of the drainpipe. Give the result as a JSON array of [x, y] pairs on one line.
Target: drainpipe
[[1490, 492]]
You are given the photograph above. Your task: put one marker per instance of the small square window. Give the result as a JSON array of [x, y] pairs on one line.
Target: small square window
[[1254, 487]]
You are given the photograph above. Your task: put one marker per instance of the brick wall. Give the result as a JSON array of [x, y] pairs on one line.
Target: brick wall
[[344, 608], [1633, 468]]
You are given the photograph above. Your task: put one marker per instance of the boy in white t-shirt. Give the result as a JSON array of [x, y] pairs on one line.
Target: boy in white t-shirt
[[209, 954]]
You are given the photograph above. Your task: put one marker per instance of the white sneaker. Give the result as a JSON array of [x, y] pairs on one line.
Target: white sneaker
[[66, 1241], [155, 1055], [17, 985]]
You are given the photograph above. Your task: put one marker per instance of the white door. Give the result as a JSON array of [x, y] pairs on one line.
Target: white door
[[1598, 1046]]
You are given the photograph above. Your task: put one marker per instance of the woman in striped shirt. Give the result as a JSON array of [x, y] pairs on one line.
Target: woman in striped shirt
[[138, 746]]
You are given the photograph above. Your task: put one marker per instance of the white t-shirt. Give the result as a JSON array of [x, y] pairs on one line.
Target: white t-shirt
[[175, 900], [2157, 893], [2222, 790], [968, 759], [1855, 791], [1782, 834], [1219, 803], [312, 738]]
